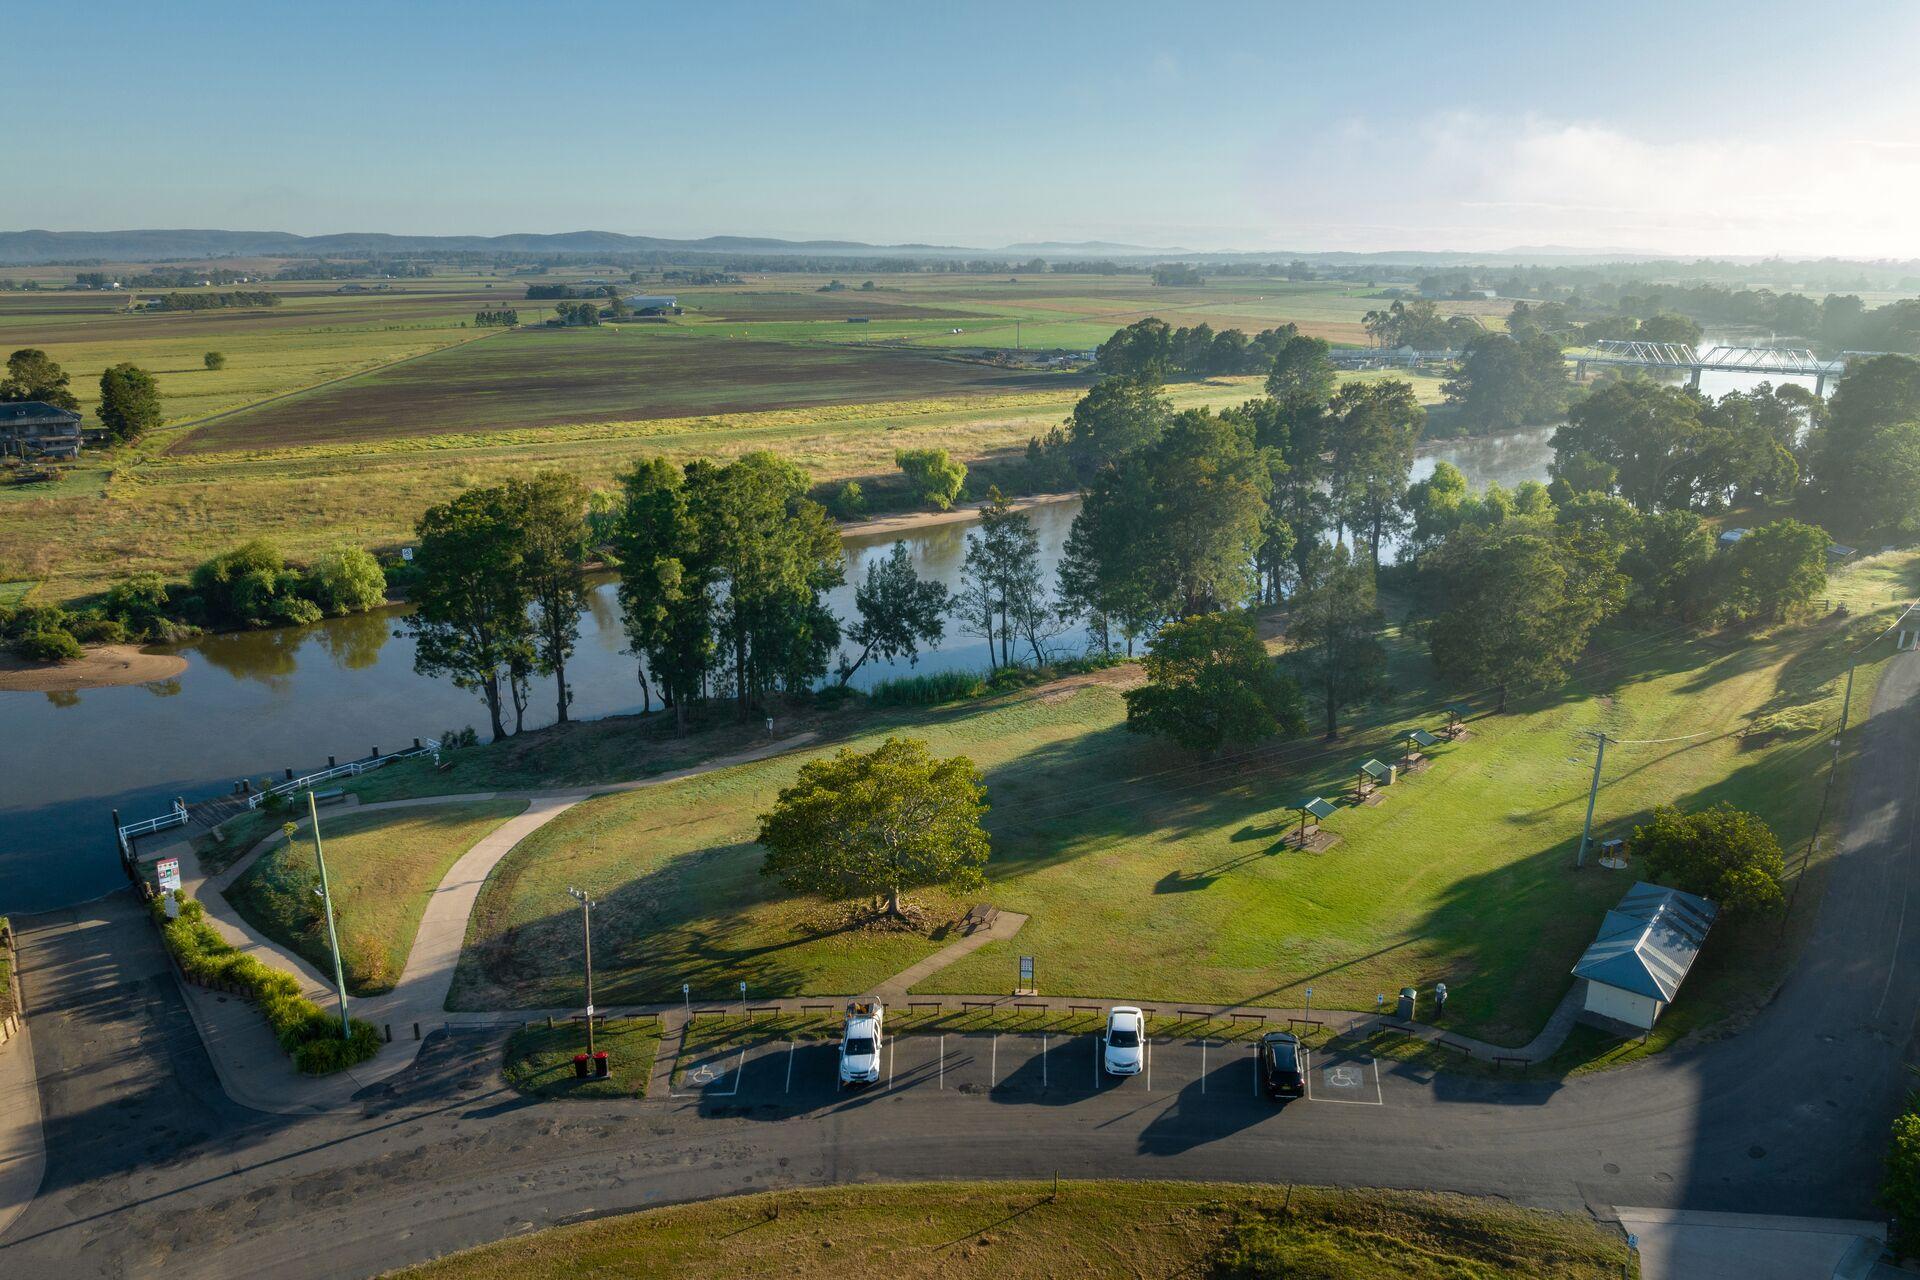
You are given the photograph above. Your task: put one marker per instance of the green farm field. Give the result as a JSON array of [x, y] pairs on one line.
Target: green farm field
[[1166, 878]]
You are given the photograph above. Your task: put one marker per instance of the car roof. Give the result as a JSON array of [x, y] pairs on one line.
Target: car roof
[[1280, 1037]]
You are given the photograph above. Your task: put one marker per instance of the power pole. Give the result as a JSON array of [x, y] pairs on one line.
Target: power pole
[[586, 922], [1593, 794], [326, 901]]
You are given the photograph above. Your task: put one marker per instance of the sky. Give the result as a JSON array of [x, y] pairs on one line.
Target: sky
[[1765, 128]]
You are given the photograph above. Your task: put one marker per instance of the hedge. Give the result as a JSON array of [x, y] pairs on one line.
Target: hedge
[[305, 1030]]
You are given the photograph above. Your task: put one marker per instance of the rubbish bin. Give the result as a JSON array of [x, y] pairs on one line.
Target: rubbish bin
[[600, 1064], [579, 1066], [1407, 997]]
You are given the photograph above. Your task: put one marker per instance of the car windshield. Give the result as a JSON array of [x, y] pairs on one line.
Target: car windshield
[[860, 1047], [1124, 1038], [1283, 1059]]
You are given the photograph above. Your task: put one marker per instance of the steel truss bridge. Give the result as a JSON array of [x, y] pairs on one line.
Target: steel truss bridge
[[1679, 356]]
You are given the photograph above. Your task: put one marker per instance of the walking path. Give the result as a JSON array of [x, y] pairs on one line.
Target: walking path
[[23, 1153]]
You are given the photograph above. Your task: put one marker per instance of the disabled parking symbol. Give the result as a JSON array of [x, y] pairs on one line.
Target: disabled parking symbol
[[702, 1074], [1345, 1077]]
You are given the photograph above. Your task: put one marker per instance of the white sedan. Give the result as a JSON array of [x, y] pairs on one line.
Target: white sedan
[[1121, 1044]]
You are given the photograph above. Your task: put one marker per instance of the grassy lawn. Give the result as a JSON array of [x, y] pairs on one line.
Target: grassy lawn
[[1151, 875], [539, 1060], [1090, 1229], [382, 867]]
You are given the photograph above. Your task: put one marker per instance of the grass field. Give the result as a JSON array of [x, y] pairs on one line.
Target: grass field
[[1151, 875], [382, 867], [538, 1060], [1089, 1229]]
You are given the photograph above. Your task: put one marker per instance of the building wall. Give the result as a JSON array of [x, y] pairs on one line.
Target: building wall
[[1622, 1006]]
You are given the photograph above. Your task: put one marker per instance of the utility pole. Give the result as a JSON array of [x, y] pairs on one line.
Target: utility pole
[[1846, 705], [586, 922], [1593, 794], [326, 901]]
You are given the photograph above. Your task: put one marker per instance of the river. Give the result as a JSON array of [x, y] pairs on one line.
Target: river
[[253, 703]]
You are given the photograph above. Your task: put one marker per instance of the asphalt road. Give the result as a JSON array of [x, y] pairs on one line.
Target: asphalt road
[[150, 1167]]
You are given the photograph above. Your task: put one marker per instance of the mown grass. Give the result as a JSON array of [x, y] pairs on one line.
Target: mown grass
[[382, 867], [538, 1060], [1155, 876], [1011, 1229]]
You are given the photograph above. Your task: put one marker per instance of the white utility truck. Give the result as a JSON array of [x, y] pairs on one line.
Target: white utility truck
[[860, 1044]]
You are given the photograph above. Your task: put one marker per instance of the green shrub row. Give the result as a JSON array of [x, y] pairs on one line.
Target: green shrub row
[[926, 690], [305, 1030]]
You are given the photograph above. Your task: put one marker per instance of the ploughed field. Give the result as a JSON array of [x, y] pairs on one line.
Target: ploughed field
[[613, 373]]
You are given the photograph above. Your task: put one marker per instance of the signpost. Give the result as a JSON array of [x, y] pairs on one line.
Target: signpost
[[1026, 987], [168, 870]]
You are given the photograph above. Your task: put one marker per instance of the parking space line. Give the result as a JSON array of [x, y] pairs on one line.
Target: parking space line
[[790, 1048], [891, 1041], [1379, 1100], [1203, 1064], [1096, 1067], [1254, 1062], [1149, 1040], [993, 1067], [943, 1060], [1043, 1059], [1306, 1070]]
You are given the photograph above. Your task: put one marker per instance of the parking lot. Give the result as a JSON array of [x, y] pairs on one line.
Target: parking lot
[[1006, 1067]]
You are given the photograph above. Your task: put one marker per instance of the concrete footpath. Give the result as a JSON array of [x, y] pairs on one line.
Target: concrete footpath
[[23, 1153], [1677, 1244]]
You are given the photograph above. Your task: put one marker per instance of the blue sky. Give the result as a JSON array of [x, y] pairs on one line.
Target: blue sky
[[1774, 128]]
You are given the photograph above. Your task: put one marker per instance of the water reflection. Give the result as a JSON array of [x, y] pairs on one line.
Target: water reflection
[[63, 697], [355, 642]]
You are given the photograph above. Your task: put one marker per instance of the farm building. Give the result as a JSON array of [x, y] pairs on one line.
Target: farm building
[[1642, 954], [652, 304], [32, 429]]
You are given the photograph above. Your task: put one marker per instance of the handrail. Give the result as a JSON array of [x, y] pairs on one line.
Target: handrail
[[351, 769], [175, 817]]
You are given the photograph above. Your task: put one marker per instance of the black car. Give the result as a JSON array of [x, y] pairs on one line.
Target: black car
[[1282, 1073]]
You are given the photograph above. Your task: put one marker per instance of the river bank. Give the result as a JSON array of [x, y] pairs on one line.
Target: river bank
[[104, 666]]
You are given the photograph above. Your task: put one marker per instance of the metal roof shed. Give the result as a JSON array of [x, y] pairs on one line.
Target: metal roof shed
[[1642, 954]]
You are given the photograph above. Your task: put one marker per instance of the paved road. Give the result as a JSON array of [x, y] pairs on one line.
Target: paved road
[[150, 1166]]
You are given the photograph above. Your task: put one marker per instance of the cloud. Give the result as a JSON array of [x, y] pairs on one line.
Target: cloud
[[1476, 181]]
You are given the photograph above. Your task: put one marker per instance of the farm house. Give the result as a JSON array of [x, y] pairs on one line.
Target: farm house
[[1642, 954]]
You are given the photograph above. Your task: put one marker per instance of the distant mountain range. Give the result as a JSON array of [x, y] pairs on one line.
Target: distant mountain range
[[25, 247]]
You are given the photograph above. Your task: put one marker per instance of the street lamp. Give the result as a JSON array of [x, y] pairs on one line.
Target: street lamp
[[587, 905], [1309, 1018], [326, 903]]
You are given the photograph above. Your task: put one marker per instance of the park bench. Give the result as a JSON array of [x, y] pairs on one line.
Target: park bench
[[979, 916]]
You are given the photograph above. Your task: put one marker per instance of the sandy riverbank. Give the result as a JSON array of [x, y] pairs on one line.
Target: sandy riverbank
[[908, 521], [103, 667]]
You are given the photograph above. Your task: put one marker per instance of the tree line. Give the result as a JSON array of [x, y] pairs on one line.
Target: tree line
[[129, 398], [179, 301], [505, 317], [1154, 350]]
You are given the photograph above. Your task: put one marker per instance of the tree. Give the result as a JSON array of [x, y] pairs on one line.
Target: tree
[[1116, 417], [666, 598], [1723, 854], [1900, 1188], [129, 402], [1511, 615], [1210, 682], [552, 511], [933, 474], [346, 580], [31, 375], [470, 600], [252, 586], [1667, 561], [1775, 571], [214, 360], [1640, 429], [1862, 456], [1888, 493], [1507, 381], [876, 824], [1335, 626], [1143, 350], [1000, 584], [1377, 426], [899, 611], [1435, 506]]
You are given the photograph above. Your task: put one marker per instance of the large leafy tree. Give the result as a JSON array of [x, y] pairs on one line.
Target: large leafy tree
[[129, 402], [470, 599], [933, 474], [1722, 853], [879, 823], [666, 597], [1144, 349], [1377, 425], [1642, 430], [552, 508], [1511, 615], [346, 579], [1335, 625], [33, 375], [1866, 452], [1118, 416], [1507, 381], [1211, 683], [899, 611], [1775, 571], [1001, 597]]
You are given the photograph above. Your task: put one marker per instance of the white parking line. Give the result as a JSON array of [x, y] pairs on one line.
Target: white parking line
[[790, 1049], [703, 1075], [943, 1060], [1043, 1059], [1149, 1040], [1096, 1066], [890, 1043], [993, 1067], [1378, 1099], [1203, 1064], [1306, 1070]]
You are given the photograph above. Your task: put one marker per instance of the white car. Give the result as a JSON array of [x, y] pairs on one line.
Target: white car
[[860, 1044], [1121, 1044]]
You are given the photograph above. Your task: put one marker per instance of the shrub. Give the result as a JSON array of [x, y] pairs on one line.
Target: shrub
[[214, 360], [139, 604], [849, 501], [346, 580], [1900, 1188], [926, 690], [48, 646], [1721, 853], [933, 474], [94, 629], [297, 1022]]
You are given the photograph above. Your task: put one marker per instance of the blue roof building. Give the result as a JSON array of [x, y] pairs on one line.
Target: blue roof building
[[1642, 954]]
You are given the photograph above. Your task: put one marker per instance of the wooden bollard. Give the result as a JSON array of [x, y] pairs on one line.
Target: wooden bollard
[[416, 1031], [389, 1033]]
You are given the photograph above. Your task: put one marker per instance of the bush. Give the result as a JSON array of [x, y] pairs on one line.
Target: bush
[[933, 474], [346, 580], [1722, 853], [926, 690], [1900, 1188], [849, 501], [94, 629], [48, 646], [139, 604], [214, 360], [300, 1025]]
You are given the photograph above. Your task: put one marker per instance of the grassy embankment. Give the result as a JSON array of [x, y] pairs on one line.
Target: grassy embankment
[[1087, 1229], [382, 867], [539, 1060], [1159, 877], [772, 365]]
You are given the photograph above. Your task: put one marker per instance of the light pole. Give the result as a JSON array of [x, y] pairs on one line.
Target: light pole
[[326, 903], [586, 924], [686, 999], [1309, 1018]]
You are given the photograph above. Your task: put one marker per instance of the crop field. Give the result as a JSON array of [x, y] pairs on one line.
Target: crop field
[[613, 373], [1162, 878]]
